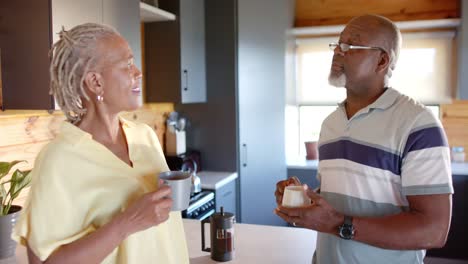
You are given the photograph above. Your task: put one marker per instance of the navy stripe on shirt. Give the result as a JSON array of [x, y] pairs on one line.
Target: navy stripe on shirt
[[362, 154], [425, 138]]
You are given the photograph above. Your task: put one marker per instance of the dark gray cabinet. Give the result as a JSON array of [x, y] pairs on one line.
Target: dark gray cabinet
[[455, 248], [261, 96], [175, 54], [241, 127], [225, 196]]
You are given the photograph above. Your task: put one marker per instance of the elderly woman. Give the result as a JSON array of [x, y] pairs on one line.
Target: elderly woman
[[94, 196]]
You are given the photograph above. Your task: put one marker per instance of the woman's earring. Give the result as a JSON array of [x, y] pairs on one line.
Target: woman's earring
[[100, 98]]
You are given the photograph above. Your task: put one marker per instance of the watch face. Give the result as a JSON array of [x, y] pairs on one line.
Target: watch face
[[346, 232]]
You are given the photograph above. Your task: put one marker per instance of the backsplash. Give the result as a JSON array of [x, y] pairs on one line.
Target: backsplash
[[455, 121]]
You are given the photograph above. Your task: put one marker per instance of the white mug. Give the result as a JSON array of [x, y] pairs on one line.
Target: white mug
[[180, 183], [294, 196]]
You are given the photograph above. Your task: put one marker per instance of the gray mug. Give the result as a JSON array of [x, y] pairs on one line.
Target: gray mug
[[180, 183]]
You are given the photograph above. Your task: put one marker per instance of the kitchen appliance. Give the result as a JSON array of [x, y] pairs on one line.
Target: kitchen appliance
[[175, 134], [201, 206], [221, 235], [190, 166], [175, 162]]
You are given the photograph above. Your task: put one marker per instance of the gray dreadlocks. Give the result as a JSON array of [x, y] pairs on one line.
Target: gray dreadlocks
[[72, 57]]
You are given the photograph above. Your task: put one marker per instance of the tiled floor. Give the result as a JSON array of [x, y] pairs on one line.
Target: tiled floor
[[444, 261]]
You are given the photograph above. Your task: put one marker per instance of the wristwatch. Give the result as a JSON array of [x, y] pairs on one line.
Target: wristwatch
[[346, 230]]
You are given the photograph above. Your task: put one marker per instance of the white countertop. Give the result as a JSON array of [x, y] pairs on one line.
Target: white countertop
[[303, 164], [460, 168], [253, 244], [213, 180], [257, 244]]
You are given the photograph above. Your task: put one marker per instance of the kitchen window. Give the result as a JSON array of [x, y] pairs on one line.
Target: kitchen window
[[425, 71]]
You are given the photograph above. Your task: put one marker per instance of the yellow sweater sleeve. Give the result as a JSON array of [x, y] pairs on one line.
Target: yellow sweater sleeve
[[51, 217]]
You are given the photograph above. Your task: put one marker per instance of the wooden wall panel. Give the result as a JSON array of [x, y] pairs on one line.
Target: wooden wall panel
[[24, 133], [455, 122], [338, 12], [18, 130], [1, 87]]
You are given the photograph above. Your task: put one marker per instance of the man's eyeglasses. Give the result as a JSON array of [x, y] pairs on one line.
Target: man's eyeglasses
[[345, 47]]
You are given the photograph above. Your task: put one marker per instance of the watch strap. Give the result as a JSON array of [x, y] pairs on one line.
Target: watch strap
[[346, 230], [348, 220]]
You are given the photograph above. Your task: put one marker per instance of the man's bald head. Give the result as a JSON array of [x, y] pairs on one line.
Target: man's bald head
[[384, 33]]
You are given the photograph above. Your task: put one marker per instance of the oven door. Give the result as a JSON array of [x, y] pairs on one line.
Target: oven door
[[205, 215], [202, 205]]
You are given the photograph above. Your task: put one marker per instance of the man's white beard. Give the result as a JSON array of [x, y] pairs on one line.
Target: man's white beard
[[337, 81]]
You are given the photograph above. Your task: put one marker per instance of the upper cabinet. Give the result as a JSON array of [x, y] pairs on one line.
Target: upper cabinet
[[175, 68], [69, 13], [149, 13], [30, 27], [124, 16], [25, 39]]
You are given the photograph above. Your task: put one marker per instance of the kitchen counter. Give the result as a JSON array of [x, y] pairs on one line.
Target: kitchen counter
[[213, 180], [303, 164], [253, 244]]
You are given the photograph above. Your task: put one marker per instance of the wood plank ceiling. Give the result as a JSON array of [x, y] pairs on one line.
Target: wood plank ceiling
[[339, 12]]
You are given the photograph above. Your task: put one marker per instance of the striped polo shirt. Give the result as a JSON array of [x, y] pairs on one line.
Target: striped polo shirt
[[369, 163]]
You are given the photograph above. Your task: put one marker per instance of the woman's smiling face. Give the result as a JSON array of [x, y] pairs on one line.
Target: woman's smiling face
[[121, 78]]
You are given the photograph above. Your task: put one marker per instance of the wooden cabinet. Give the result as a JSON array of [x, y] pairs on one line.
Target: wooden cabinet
[[225, 196], [28, 29], [175, 54], [25, 37]]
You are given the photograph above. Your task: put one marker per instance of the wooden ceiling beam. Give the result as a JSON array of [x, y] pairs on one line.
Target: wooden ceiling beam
[[339, 12]]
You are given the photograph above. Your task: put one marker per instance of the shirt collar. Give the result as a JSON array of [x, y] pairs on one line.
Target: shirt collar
[[125, 123], [75, 134], [384, 101]]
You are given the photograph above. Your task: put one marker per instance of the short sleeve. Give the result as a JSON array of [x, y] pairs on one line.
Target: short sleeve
[[51, 217], [426, 166]]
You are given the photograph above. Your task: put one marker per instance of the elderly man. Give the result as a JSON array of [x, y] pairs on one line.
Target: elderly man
[[384, 169]]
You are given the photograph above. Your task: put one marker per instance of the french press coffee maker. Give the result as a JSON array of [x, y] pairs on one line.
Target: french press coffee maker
[[221, 234]]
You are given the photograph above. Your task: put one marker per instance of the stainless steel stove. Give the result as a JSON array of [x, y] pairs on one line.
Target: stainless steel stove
[[201, 206]]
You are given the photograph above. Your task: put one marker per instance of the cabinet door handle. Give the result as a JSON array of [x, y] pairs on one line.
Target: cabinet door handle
[[227, 193], [186, 80], [244, 156]]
